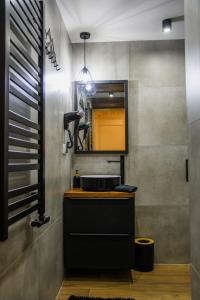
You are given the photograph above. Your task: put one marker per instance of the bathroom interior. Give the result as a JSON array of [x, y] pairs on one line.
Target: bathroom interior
[[89, 166]]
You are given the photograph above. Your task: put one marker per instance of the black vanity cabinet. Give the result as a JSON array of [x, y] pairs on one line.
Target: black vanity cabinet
[[98, 230]]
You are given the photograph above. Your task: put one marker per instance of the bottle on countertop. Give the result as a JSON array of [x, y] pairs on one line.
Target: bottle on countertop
[[76, 180]]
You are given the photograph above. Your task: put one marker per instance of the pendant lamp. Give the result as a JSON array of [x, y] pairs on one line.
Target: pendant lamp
[[87, 84]]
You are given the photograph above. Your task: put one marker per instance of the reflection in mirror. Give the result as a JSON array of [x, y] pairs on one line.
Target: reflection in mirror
[[104, 125]]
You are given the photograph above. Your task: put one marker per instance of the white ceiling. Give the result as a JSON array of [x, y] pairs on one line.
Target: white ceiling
[[121, 20]]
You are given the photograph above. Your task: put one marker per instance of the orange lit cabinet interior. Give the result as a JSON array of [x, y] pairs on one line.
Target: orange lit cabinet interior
[[108, 129]]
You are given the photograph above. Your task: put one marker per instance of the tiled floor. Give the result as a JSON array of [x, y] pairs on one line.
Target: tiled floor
[[166, 282]]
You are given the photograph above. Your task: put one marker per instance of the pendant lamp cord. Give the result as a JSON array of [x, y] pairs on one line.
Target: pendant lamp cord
[[84, 53]]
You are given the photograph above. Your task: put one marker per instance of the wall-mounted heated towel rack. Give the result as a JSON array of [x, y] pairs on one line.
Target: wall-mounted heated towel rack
[[22, 186]]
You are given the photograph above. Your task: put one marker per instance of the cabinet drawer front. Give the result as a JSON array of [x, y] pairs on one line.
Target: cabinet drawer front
[[99, 215], [99, 252]]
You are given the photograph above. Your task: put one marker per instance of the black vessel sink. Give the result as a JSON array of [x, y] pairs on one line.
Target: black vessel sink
[[99, 182]]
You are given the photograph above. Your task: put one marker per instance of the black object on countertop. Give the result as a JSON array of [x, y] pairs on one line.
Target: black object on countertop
[[76, 180], [125, 188], [122, 166], [99, 182]]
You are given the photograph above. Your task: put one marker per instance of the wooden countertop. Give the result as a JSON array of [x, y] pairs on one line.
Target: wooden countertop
[[79, 193]]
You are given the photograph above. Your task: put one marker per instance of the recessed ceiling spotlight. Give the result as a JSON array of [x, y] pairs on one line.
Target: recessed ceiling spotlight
[[111, 94], [167, 25]]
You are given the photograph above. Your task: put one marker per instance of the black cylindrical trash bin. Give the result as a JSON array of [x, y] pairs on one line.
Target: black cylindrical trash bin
[[144, 254]]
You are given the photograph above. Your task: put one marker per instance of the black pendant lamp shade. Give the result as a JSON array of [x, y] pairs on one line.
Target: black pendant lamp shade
[[88, 86]]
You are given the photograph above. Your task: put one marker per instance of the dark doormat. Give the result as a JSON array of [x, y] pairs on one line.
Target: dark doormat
[[96, 298]]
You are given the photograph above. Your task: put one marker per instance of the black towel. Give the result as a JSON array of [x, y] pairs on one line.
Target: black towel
[[125, 188]]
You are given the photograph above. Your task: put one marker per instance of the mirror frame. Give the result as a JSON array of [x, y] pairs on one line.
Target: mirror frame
[[125, 82]]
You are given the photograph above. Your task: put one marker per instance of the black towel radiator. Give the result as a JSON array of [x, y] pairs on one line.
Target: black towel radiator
[[21, 75]]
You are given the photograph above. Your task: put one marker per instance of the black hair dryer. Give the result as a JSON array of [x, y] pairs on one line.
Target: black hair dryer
[[68, 118]]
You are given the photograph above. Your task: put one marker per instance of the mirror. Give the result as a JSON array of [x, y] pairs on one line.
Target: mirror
[[104, 127]]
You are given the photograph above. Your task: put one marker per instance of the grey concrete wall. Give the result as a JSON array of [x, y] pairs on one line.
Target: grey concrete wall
[[157, 136], [31, 265], [192, 35]]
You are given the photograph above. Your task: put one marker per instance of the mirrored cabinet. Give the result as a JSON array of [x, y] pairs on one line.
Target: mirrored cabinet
[[104, 127]]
